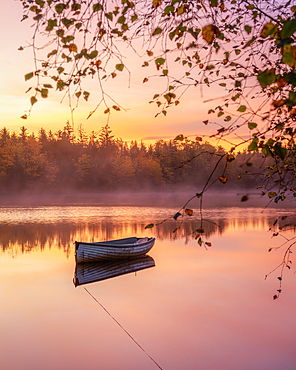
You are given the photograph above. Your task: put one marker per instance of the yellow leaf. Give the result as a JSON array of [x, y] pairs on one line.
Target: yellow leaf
[[145, 80], [156, 3], [189, 212], [222, 179], [113, 75]]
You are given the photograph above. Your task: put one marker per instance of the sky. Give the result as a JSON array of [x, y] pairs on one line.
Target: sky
[[138, 122]]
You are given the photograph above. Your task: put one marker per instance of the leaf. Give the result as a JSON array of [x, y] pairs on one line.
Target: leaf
[[244, 198], [275, 297], [253, 146], [222, 179], [209, 32], [156, 3], [44, 93], [242, 108], [106, 111], [252, 125], [271, 194], [115, 107], [189, 211], [97, 7], [289, 53], [33, 100], [59, 8], [289, 28], [199, 241], [86, 95], [268, 29], [278, 103], [149, 226], [145, 80], [28, 76], [208, 244], [73, 47], [176, 215], [230, 158], [266, 77], [119, 67], [179, 137], [159, 62], [198, 138], [198, 195], [93, 54], [24, 116], [157, 31], [248, 29], [200, 231]]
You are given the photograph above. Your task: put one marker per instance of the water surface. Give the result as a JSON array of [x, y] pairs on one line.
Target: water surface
[[197, 308]]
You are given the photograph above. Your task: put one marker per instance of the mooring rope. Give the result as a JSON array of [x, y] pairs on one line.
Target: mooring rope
[[122, 328]]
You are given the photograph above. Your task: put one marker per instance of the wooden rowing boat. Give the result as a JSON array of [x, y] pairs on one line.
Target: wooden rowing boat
[[112, 249], [86, 273]]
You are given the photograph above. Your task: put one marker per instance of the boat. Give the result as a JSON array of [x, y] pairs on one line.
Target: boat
[[112, 249], [91, 272]]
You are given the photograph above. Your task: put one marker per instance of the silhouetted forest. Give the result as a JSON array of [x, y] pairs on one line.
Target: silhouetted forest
[[99, 161]]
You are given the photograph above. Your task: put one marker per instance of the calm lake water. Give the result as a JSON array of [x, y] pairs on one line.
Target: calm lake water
[[197, 308]]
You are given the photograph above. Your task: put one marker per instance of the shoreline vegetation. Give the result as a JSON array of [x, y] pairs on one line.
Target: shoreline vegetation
[[56, 165]]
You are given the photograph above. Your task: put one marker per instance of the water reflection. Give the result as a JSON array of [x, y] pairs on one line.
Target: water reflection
[[25, 230], [87, 273]]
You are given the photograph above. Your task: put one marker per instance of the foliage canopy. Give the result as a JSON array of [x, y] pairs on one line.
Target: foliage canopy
[[245, 48]]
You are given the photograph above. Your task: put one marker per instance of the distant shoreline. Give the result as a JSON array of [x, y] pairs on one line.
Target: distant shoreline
[[169, 198]]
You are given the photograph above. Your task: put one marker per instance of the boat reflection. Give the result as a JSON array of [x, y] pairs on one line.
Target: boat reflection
[[97, 271]]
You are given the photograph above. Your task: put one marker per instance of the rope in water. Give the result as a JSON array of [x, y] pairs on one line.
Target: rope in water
[[123, 328]]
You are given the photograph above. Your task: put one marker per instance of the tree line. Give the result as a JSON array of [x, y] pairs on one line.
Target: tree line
[[64, 160]]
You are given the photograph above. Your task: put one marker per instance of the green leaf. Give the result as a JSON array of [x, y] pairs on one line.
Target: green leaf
[[97, 7], [242, 108], [149, 226], [271, 194], [288, 52], [60, 33], [86, 95], [28, 76], [268, 30], [93, 55], [250, 42], [59, 8], [44, 93], [248, 29], [179, 137], [33, 100], [280, 151], [121, 19], [266, 77], [289, 28], [159, 61], [252, 125], [52, 53], [199, 195], [253, 146], [169, 9], [119, 67], [157, 31]]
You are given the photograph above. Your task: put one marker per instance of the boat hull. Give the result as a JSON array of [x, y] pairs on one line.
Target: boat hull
[[109, 250], [92, 272]]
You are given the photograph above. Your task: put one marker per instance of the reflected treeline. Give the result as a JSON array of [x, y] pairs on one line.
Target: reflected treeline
[[24, 238]]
